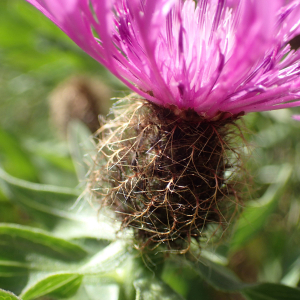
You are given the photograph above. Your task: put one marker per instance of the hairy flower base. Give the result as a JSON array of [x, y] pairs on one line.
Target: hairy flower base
[[166, 174]]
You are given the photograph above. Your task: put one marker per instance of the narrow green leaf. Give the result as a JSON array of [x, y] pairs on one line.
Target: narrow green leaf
[[14, 158], [46, 203], [53, 162], [216, 275], [57, 208], [5, 295], [153, 289], [254, 216], [59, 285], [100, 269], [270, 291], [97, 288], [36, 240], [14, 269], [223, 279], [106, 260], [26, 185], [81, 147], [292, 277], [18, 271], [82, 294]]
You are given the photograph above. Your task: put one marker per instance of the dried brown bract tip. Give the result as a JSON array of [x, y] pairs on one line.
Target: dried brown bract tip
[[166, 175]]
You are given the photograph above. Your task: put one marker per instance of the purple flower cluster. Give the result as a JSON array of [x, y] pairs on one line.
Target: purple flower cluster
[[213, 56]]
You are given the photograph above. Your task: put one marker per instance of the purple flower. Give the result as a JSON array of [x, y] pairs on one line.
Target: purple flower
[[214, 56]]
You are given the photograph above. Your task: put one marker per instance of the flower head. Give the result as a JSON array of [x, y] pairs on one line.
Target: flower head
[[212, 56], [167, 166]]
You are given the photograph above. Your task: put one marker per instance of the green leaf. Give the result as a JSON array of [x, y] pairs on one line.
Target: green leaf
[[216, 275], [5, 295], [100, 269], [36, 240], [34, 269], [53, 162], [153, 289], [292, 277], [24, 186], [14, 269], [46, 203], [254, 216], [223, 279], [59, 285], [270, 291], [97, 288], [81, 147], [107, 260], [60, 209], [12, 263], [14, 158]]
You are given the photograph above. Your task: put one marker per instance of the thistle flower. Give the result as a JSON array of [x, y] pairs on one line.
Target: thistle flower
[[198, 66]]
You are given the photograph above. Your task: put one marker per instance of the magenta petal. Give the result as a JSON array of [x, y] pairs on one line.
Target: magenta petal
[[296, 117], [216, 56]]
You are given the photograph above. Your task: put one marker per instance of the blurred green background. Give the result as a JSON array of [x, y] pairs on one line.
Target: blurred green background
[[35, 57]]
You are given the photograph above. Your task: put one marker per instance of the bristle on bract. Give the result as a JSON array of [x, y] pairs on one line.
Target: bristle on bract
[[166, 174]]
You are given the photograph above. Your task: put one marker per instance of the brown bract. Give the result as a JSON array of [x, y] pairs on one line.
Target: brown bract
[[165, 176]]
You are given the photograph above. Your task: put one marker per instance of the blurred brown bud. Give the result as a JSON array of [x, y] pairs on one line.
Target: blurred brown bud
[[79, 97]]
